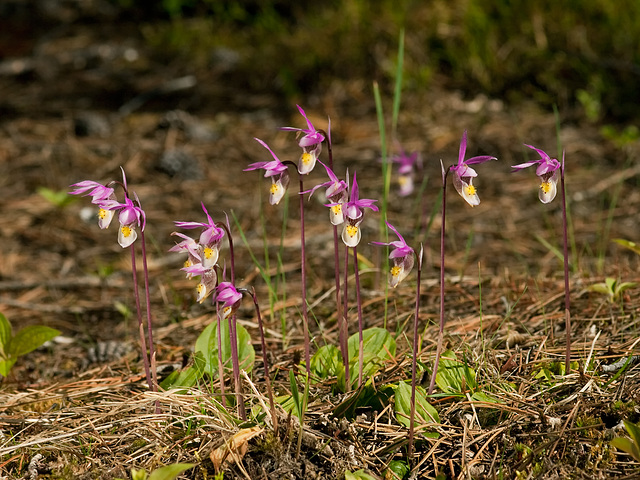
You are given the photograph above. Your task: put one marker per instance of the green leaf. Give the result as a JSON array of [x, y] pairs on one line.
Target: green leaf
[[295, 394], [396, 470], [60, 198], [634, 247], [207, 344], [626, 445], [5, 335], [365, 396], [378, 344], [425, 413], [170, 472], [139, 474], [326, 362], [601, 288], [634, 431], [454, 376], [359, 475], [187, 377], [30, 338], [5, 366], [378, 347]]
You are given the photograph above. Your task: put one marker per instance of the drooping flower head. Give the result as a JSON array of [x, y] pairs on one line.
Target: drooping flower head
[[278, 173], [131, 216], [402, 256], [208, 280], [336, 194], [406, 170], [190, 246], [311, 143], [228, 297], [463, 174], [210, 238], [99, 193], [547, 170], [354, 215]]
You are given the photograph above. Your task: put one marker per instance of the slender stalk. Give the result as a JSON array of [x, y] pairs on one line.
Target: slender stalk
[[360, 326], [414, 360], [567, 296], [233, 334], [220, 365], [143, 342], [152, 353], [345, 340], [342, 330], [432, 383], [236, 366], [272, 405], [303, 266]]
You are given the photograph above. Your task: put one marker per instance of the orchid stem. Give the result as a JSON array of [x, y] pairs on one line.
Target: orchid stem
[[236, 366], [342, 319], [432, 383], [359, 302], [143, 342], [345, 341], [303, 266], [272, 407], [220, 364], [414, 361], [567, 296], [152, 353]]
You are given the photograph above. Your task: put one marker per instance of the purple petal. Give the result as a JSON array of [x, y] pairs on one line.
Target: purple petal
[[542, 154], [463, 148], [479, 159], [521, 166]]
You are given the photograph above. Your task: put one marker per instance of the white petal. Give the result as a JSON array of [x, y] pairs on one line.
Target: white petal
[[548, 190], [351, 235], [127, 235]]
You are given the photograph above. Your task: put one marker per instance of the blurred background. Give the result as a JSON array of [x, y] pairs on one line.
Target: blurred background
[[582, 56]]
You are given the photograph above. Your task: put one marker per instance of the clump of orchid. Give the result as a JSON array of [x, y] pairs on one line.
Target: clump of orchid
[[202, 261], [463, 176], [132, 218], [310, 140], [336, 194], [549, 170]]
